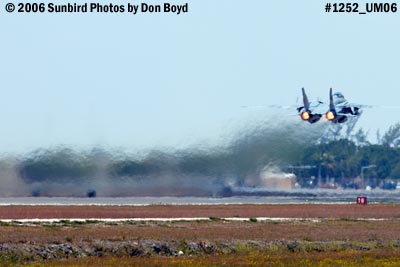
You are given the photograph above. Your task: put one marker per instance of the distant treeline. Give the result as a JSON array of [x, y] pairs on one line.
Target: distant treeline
[[246, 154], [341, 162], [333, 158], [343, 158]]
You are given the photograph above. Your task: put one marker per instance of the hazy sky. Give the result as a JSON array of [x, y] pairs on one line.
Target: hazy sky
[[148, 80]]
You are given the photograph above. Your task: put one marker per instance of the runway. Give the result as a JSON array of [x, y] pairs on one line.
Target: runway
[[240, 196]]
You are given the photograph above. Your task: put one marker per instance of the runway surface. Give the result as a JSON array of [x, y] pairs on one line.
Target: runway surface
[[245, 196]]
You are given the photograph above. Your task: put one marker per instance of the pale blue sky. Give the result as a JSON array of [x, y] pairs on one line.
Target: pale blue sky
[[148, 80]]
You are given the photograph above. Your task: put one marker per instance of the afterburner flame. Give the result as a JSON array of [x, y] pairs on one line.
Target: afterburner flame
[[330, 115], [305, 115]]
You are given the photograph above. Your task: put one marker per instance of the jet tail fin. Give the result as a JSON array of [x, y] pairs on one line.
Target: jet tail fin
[[306, 103], [331, 105], [331, 113]]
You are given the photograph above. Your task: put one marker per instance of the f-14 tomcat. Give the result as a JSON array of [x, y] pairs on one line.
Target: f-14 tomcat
[[338, 110]]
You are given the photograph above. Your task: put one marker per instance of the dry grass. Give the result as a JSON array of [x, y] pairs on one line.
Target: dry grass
[[257, 258], [329, 230], [382, 237]]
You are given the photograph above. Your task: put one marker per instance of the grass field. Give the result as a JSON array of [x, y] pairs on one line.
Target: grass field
[[350, 258], [336, 238]]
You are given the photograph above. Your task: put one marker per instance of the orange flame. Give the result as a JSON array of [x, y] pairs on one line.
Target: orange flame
[[305, 115], [330, 115]]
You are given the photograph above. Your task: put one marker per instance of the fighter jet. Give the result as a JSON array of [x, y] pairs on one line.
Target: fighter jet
[[338, 110]]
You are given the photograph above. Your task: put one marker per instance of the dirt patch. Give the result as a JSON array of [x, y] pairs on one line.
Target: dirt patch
[[185, 211], [215, 231]]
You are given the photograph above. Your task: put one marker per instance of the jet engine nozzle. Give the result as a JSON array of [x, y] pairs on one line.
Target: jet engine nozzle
[[330, 115], [305, 116]]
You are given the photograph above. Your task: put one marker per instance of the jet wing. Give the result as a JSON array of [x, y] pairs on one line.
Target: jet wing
[[347, 104]]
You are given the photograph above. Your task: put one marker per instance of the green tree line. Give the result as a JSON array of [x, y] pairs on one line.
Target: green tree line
[[342, 159], [334, 156]]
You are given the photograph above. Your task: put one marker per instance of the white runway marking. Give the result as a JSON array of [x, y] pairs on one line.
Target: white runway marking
[[116, 220]]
